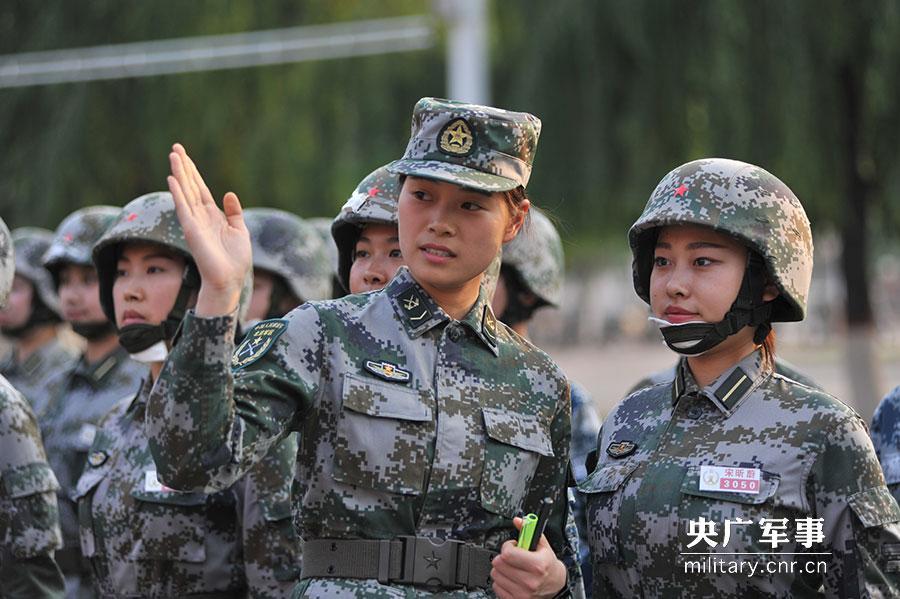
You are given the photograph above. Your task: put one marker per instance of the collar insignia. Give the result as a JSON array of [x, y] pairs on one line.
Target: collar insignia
[[97, 458], [456, 138], [621, 449], [387, 371], [412, 304], [489, 326]]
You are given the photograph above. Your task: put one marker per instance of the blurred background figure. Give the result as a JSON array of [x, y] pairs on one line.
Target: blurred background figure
[[32, 321], [101, 376], [365, 234], [29, 527], [322, 224]]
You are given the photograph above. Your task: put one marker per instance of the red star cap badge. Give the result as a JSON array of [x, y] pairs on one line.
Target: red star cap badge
[[681, 190]]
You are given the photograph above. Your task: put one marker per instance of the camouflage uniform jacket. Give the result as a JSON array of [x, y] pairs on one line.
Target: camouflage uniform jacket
[[86, 393], [814, 460], [411, 423], [886, 438], [145, 539], [585, 426], [29, 528], [31, 377]]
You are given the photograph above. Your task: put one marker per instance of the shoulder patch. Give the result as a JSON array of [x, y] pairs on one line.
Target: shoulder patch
[[257, 342]]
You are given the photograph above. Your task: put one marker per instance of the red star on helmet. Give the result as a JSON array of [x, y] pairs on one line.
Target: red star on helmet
[[681, 190], [374, 191], [131, 216], [67, 238]]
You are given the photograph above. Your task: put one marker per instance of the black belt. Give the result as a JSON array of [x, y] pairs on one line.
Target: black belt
[[434, 563]]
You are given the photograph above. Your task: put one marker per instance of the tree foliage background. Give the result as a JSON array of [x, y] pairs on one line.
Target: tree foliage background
[[627, 89]]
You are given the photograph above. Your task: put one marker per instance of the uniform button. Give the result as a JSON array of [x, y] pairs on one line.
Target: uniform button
[[695, 412], [454, 332]]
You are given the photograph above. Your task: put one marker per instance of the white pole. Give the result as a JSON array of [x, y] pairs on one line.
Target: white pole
[[468, 74]]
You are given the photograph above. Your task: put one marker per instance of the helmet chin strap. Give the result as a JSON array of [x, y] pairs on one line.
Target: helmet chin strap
[[138, 338], [696, 338]]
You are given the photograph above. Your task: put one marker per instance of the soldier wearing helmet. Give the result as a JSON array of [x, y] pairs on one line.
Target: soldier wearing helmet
[[290, 264], [141, 537], [730, 457], [29, 525], [32, 320], [322, 225], [531, 277], [365, 233], [102, 375]]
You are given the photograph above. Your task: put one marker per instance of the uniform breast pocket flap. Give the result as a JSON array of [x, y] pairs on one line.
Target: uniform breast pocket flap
[[608, 477], [513, 447], [29, 479], [382, 435], [173, 526], [603, 501]]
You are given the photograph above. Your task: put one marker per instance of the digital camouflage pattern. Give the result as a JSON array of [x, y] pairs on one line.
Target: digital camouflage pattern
[[473, 146], [87, 392], [782, 367], [30, 245], [536, 254], [35, 376], [741, 200], [145, 539], [374, 201], [410, 423], [29, 525], [291, 248], [886, 438], [7, 263], [75, 237], [815, 459]]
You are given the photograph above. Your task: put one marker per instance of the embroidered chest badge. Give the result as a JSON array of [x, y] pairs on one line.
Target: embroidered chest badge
[[387, 371], [258, 341], [621, 449]]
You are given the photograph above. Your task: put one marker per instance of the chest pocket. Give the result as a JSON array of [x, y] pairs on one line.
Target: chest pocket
[[734, 508], [383, 434], [512, 450], [602, 489], [173, 525]]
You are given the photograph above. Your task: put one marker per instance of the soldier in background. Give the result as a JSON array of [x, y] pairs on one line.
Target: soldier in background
[[32, 320], [142, 538], [102, 375], [531, 277], [29, 527], [731, 457], [290, 267], [365, 233], [886, 438], [322, 226]]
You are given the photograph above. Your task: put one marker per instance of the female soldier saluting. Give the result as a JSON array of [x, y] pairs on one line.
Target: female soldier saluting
[[730, 459], [425, 425]]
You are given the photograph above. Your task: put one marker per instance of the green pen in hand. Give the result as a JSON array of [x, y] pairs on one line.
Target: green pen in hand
[[533, 527]]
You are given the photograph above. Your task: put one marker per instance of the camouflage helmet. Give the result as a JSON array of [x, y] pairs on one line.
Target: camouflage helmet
[[30, 245], [286, 245], [536, 254], [478, 147], [150, 218], [744, 201], [7, 263], [75, 238], [374, 201], [322, 225]]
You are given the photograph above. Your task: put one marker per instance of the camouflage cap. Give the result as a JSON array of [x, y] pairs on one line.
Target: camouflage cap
[[286, 245], [374, 201], [7, 263], [150, 218], [75, 238], [744, 201], [478, 147], [536, 254], [31, 243]]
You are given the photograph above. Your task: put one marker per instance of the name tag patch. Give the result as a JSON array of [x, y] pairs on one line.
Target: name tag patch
[[730, 480]]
